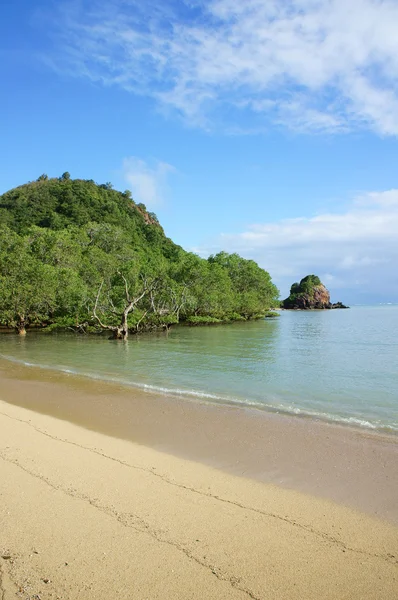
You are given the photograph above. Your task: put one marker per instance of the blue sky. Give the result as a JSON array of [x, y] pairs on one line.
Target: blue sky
[[265, 127]]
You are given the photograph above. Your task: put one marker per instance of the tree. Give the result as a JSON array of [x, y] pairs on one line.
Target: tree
[[308, 283], [153, 217], [65, 176], [254, 292], [119, 297], [28, 288]]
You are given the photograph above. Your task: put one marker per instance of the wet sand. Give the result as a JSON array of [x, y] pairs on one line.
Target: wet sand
[[358, 468]]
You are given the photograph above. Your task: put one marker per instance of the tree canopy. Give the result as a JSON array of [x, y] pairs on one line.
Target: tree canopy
[[81, 255]]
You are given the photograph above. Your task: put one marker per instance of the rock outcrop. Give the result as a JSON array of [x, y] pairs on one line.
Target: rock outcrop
[[309, 294]]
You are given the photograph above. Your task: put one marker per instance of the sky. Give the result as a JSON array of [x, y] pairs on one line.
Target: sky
[[264, 127]]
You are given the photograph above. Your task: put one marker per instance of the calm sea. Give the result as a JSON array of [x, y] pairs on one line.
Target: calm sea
[[339, 365]]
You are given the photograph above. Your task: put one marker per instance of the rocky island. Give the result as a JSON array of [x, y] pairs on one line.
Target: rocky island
[[309, 294]]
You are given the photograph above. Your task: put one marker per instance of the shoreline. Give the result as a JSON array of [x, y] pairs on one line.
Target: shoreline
[[355, 467], [355, 423]]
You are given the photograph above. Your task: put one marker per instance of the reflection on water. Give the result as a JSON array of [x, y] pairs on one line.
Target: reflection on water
[[338, 364]]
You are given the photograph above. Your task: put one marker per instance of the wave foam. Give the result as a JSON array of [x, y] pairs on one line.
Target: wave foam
[[206, 397]]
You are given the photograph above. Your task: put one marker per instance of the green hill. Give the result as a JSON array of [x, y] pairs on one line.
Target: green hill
[[85, 256], [59, 203]]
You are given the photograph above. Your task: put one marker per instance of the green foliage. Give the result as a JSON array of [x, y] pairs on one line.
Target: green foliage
[[59, 203], [270, 314], [79, 255], [29, 288], [235, 317], [153, 217], [252, 290], [203, 320], [308, 283]]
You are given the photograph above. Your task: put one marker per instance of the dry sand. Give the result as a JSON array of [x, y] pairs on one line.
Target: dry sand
[[88, 516]]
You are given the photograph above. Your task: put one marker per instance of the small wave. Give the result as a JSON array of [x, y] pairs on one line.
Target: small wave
[[108, 378], [206, 397]]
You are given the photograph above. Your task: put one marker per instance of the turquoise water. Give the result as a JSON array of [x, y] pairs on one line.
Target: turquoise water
[[339, 365]]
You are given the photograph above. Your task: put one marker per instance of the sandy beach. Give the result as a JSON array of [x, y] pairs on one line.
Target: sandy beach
[[92, 516]]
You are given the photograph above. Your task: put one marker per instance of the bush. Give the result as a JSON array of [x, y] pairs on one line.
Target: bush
[[206, 320], [235, 317]]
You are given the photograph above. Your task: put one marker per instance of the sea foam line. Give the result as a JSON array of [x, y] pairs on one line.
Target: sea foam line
[[208, 398]]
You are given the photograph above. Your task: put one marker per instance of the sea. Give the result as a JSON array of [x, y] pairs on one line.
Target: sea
[[335, 365]]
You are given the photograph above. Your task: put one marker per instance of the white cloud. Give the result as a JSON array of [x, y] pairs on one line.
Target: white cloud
[[148, 184], [356, 250], [387, 199], [312, 65]]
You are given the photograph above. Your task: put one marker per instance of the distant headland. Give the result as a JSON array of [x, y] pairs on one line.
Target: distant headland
[[309, 294]]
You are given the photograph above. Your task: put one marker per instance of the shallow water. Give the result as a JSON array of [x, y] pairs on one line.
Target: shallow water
[[337, 365]]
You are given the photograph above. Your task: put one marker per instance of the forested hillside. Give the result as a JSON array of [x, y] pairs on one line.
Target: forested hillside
[[84, 256]]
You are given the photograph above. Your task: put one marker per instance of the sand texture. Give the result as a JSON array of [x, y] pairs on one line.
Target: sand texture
[[88, 516]]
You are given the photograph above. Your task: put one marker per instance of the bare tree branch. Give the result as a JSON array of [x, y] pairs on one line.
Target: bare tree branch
[[134, 301], [126, 287], [113, 307], [141, 319], [95, 309]]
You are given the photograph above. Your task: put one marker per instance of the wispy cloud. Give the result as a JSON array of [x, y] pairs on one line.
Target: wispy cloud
[[312, 65], [147, 183], [356, 250]]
